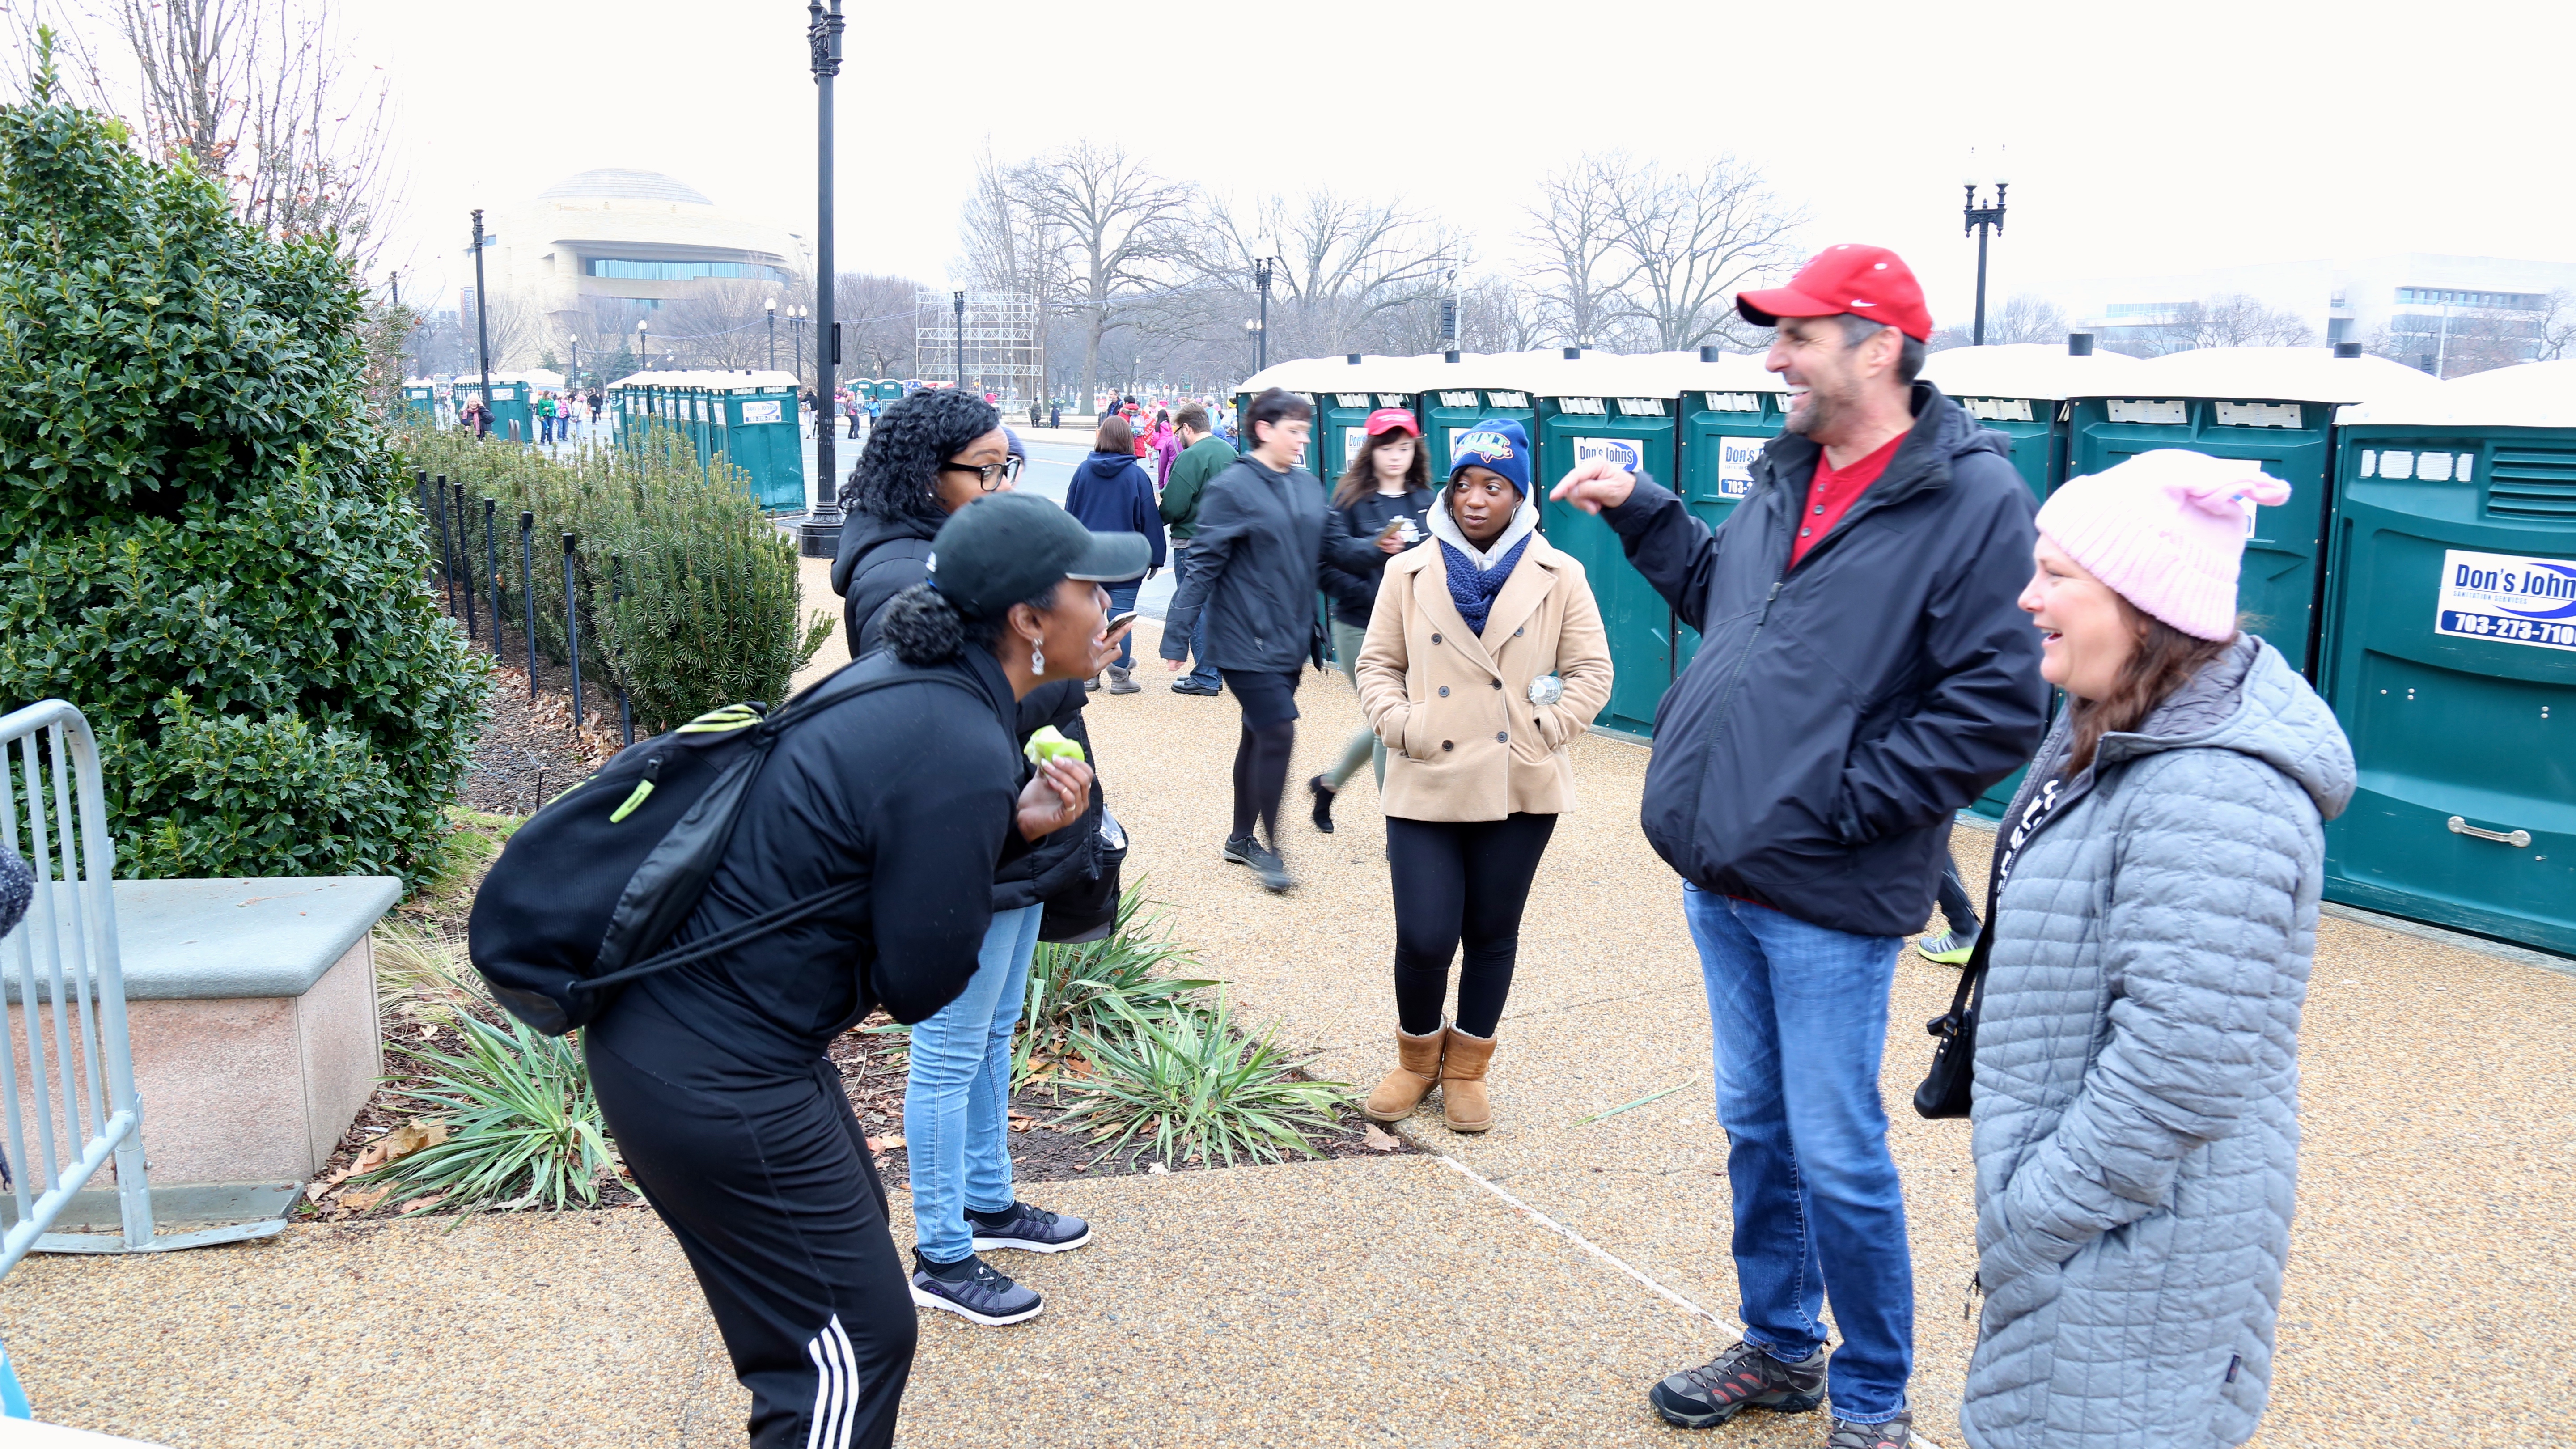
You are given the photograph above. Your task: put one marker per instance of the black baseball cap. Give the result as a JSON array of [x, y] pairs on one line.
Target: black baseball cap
[[1006, 547]]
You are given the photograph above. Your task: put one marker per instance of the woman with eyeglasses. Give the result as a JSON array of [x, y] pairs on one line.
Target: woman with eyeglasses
[[1111, 492], [930, 455]]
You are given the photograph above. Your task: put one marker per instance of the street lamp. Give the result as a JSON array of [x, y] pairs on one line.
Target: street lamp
[[796, 338], [482, 306], [1980, 218], [772, 306], [1261, 278], [575, 340], [643, 339], [958, 301], [820, 537]]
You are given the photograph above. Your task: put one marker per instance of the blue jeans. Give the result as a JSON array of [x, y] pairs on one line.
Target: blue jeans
[[1798, 1014], [957, 1098], [1122, 597], [1201, 672]]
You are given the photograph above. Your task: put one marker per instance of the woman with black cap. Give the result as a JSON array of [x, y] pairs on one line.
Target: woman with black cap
[[713, 1077]]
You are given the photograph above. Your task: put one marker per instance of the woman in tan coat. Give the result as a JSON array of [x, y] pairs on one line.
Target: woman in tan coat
[[1484, 659]]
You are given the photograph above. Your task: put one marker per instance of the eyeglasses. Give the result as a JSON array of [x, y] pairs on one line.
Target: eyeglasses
[[989, 476]]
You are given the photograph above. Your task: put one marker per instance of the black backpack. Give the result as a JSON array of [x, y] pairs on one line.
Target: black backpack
[[592, 885]]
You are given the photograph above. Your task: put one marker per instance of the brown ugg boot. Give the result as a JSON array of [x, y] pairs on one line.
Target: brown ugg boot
[[1417, 1071], [1463, 1103]]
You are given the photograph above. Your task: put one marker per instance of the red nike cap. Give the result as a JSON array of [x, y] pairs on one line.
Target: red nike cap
[[1866, 281]]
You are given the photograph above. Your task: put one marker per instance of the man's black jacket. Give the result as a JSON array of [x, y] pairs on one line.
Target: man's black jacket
[[1253, 568], [1839, 713]]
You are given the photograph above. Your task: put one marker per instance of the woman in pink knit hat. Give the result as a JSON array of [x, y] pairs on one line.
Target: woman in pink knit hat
[[2150, 919]]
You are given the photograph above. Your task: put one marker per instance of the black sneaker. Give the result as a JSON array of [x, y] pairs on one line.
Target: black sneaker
[[1239, 848], [1743, 1377], [1323, 803], [1896, 1433], [1031, 1230], [1266, 863], [979, 1294], [1192, 686]]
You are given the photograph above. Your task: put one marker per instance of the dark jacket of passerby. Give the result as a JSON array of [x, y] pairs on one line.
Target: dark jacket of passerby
[[1192, 471], [1110, 493], [1839, 713], [880, 558], [1353, 563], [1253, 564]]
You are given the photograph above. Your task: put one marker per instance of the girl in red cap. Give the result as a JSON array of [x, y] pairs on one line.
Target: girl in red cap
[[1380, 508]]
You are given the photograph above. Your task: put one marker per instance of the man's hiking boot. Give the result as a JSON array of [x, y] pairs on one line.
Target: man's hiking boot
[[1029, 1229], [973, 1291], [1743, 1377], [1323, 794], [1950, 948], [1896, 1433]]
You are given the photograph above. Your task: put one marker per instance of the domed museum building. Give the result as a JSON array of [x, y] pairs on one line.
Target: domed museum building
[[601, 250]]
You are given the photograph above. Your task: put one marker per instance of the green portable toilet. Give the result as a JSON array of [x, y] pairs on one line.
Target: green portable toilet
[[1730, 407], [2269, 405], [2450, 655], [1343, 404], [1455, 396], [1599, 406], [420, 398], [761, 436], [2020, 390], [1305, 376], [511, 419]]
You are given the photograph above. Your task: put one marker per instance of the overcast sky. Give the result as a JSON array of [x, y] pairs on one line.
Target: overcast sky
[[2143, 137]]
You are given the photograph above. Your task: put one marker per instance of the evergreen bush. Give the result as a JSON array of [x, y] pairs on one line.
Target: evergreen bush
[[204, 535], [705, 607]]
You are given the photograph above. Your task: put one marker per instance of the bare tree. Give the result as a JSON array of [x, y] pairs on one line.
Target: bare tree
[[1574, 228], [2553, 325], [2028, 317], [1690, 241], [876, 313], [2238, 319], [1121, 226]]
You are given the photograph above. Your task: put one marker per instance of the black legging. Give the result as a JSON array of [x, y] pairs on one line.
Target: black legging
[[1956, 907], [1460, 881], [1261, 776]]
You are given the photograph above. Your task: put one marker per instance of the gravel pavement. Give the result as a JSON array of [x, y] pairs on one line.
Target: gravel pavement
[[1399, 1301]]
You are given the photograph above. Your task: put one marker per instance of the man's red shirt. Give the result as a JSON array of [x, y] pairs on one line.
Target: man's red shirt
[[1833, 493]]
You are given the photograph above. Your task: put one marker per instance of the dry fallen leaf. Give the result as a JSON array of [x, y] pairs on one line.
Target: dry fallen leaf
[[1157, 1169], [363, 1198], [419, 1203], [316, 1191], [1381, 1141], [884, 1144]]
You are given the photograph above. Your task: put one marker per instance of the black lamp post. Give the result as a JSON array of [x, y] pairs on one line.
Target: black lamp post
[[1261, 332], [957, 301], [772, 306], [1980, 219], [482, 305], [643, 343], [820, 537]]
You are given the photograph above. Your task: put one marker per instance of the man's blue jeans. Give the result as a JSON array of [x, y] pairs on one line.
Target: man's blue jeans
[[957, 1098], [1201, 672], [1799, 1017]]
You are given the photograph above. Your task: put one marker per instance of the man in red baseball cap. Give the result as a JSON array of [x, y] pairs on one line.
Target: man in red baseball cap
[[1864, 673]]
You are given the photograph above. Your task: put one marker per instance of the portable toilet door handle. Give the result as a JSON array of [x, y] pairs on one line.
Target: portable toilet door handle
[[2518, 838]]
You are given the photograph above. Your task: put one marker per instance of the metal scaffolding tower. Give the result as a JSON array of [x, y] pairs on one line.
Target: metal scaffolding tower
[[1003, 353]]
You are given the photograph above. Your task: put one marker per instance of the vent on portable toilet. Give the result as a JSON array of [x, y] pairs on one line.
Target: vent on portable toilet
[[2079, 344], [1708, 352], [1352, 358], [1449, 356], [2347, 349]]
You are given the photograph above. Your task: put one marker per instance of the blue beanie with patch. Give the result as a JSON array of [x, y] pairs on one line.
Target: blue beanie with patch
[[1499, 444]]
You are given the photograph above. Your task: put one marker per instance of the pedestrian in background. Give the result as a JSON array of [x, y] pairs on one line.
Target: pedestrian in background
[[1201, 458], [2155, 913], [1380, 508], [1167, 446], [1260, 530], [1111, 494], [1484, 659], [1804, 803]]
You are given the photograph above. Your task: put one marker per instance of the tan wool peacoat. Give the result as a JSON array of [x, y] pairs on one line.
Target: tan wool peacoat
[[1463, 740]]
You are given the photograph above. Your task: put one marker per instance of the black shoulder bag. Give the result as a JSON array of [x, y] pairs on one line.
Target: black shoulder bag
[[1946, 1088]]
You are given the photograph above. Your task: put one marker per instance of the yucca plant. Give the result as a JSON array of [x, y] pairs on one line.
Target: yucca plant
[[523, 1125], [1192, 1089], [1095, 986]]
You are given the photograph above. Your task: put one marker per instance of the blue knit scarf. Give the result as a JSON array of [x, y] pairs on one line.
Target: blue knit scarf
[[1473, 589]]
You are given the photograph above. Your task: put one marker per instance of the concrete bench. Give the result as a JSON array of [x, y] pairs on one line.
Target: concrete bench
[[251, 1005]]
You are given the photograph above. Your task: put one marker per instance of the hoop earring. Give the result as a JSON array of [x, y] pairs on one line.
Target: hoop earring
[[1037, 659]]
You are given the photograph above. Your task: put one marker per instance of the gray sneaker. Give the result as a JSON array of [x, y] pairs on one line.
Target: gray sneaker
[[1743, 1377], [1266, 864], [1896, 1433]]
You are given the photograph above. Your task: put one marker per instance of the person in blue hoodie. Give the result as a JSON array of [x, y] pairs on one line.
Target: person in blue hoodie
[[1112, 485]]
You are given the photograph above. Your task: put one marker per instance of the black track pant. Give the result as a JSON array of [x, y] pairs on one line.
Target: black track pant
[[765, 1180], [1460, 882]]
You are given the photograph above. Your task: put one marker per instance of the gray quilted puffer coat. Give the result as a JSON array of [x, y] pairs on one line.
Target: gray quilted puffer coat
[[2137, 1073]]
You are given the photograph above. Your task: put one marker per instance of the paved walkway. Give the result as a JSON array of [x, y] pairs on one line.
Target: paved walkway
[[1406, 1301]]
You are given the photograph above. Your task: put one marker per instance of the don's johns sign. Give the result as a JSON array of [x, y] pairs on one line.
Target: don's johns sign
[[2507, 598]]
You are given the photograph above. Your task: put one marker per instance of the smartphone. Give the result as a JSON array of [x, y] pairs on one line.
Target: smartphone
[[1394, 527], [1120, 625]]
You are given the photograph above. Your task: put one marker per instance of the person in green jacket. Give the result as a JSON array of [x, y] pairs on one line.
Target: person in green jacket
[[1203, 456]]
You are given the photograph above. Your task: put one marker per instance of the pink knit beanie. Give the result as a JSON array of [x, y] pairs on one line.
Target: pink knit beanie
[[2165, 530]]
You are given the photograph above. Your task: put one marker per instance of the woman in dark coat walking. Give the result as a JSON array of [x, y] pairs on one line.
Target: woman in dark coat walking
[[1111, 493], [1381, 507]]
